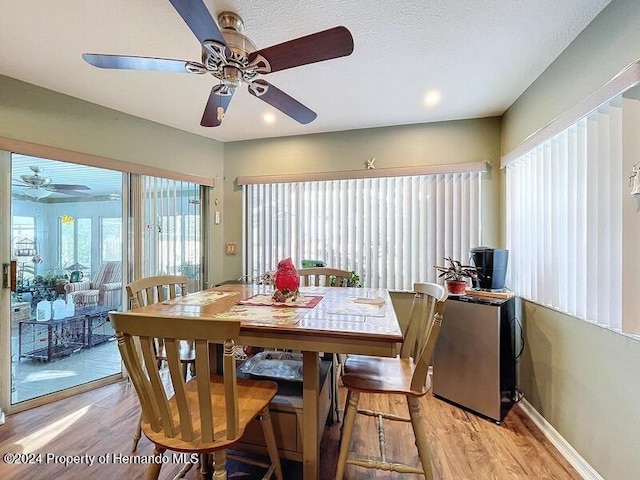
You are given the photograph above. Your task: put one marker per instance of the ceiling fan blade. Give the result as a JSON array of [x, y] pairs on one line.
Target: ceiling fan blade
[[126, 62], [211, 116], [73, 193], [283, 102], [333, 43], [199, 20], [66, 186]]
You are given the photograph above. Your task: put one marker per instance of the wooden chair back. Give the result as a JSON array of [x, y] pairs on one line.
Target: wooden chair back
[[324, 277], [425, 320], [328, 277], [187, 420], [155, 289]]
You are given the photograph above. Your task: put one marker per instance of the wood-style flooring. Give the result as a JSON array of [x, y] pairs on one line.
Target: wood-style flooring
[[102, 422]]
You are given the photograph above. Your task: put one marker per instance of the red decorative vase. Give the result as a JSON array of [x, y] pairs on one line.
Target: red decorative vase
[[456, 287]]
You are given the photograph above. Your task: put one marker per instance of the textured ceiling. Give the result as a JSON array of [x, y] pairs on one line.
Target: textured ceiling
[[481, 55]]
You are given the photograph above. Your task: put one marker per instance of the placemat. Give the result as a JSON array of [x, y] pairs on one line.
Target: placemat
[[262, 315], [200, 298], [266, 300], [360, 307]]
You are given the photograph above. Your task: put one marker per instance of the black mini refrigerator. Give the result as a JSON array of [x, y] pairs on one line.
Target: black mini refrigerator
[[474, 361]]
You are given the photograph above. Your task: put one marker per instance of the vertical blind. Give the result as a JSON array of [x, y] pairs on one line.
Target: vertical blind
[[564, 219], [390, 231], [171, 228]]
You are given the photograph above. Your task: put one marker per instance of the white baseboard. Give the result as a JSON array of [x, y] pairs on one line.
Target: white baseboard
[[585, 470]]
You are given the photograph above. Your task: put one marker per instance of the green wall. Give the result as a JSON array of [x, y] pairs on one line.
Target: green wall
[[608, 44], [582, 378], [410, 145]]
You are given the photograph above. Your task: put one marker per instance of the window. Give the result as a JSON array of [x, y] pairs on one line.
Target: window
[[25, 247], [75, 241], [23, 227], [564, 219], [390, 231], [111, 229]]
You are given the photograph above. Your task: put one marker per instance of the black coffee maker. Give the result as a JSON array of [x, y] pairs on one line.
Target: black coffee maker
[[491, 264]]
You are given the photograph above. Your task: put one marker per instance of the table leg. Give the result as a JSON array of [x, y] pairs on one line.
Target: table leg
[[50, 341], [310, 394]]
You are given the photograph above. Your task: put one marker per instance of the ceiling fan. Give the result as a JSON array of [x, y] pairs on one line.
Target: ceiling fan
[[37, 186], [232, 58]]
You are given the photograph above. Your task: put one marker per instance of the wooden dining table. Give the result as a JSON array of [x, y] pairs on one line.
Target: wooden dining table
[[323, 319]]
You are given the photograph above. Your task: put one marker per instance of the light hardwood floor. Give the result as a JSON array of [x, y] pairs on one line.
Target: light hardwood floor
[[102, 422]]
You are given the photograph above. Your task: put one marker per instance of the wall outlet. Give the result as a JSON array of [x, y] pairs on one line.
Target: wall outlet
[[231, 248]]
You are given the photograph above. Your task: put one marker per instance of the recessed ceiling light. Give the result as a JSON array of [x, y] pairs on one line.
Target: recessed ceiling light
[[269, 117], [432, 98]]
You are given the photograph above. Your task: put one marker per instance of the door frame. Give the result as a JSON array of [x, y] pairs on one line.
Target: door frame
[[5, 293]]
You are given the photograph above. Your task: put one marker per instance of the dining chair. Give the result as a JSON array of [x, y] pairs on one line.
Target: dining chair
[[323, 277], [159, 288], [206, 414], [406, 374], [328, 277]]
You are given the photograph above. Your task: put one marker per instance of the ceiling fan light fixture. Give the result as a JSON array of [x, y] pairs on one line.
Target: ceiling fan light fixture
[[231, 76], [36, 193]]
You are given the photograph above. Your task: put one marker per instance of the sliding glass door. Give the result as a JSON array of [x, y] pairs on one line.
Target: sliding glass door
[[77, 234], [66, 235]]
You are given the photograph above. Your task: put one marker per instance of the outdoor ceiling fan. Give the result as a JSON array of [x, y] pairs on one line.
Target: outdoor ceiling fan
[[232, 58], [37, 186]]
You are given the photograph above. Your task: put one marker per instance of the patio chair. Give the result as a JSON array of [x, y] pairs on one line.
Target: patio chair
[[105, 289]]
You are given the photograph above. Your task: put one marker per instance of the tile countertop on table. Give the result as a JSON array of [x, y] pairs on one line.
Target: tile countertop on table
[[349, 312]]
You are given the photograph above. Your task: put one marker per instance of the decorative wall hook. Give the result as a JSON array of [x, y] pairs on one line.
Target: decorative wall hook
[[370, 164]]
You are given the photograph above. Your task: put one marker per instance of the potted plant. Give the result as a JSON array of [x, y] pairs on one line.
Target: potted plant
[[455, 275], [352, 281]]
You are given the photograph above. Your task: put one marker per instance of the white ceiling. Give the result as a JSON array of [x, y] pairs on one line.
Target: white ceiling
[[481, 54]]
